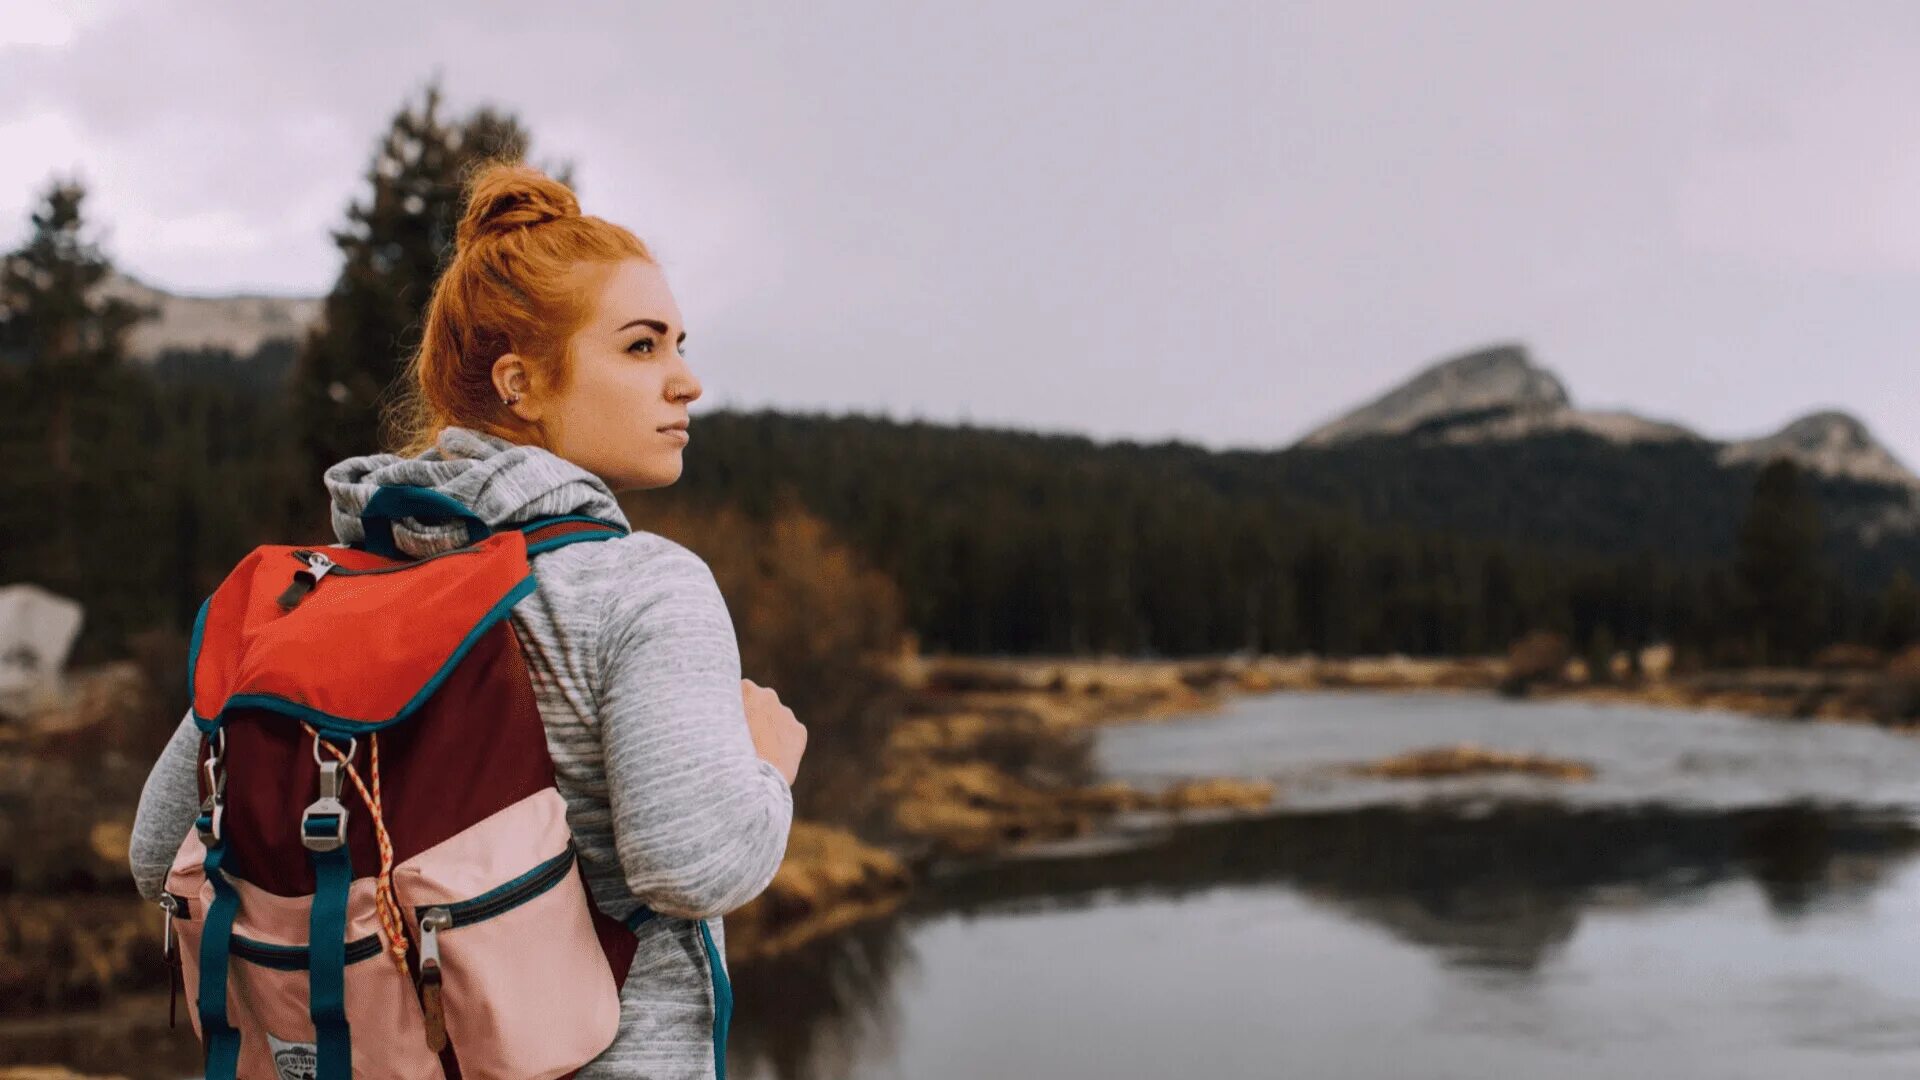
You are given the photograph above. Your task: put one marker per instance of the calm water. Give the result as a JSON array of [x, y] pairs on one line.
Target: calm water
[[1729, 898]]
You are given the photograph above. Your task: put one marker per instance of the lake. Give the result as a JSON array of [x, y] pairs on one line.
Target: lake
[[1729, 897]]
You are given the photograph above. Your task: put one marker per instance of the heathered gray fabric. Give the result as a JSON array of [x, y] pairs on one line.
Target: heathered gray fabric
[[637, 674]]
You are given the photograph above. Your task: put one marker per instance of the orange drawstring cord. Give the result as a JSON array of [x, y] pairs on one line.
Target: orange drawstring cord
[[384, 899]]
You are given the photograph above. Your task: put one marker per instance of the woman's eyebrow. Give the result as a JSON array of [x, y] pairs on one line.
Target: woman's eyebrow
[[655, 325]]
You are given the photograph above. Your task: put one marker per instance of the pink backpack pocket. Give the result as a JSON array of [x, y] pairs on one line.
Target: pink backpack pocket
[[267, 991], [522, 982], [267, 979]]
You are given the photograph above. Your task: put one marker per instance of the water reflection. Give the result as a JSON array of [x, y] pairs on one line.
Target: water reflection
[[1485, 888], [804, 1013], [1486, 885]]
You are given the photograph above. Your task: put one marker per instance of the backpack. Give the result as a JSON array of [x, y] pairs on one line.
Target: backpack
[[381, 881]]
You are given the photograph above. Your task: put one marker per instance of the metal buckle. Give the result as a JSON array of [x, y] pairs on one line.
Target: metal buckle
[[327, 804], [213, 808]]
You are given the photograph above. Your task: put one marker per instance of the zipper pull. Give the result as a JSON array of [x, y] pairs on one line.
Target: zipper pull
[[305, 580], [171, 907], [431, 923]]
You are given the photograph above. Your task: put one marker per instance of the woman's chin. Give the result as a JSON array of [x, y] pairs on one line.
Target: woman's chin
[[660, 471]]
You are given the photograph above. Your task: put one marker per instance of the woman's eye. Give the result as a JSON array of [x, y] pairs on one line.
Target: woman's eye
[[648, 342]]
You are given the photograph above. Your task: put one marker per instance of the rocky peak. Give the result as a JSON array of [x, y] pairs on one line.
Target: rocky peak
[[1828, 442], [1499, 380]]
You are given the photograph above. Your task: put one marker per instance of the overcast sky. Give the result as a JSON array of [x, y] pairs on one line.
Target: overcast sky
[[1223, 223]]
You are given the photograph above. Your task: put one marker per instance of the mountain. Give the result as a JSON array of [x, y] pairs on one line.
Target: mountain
[[1488, 394], [1499, 394], [1830, 443], [1501, 379], [239, 324]]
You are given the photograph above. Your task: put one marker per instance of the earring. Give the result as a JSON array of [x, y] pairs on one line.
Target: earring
[[514, 400]]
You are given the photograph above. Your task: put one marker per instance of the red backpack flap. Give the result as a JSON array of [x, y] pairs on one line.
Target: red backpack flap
[[346, 640]]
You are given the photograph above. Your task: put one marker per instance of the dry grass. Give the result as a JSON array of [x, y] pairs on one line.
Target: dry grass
[[1468, 759], [829, 881]]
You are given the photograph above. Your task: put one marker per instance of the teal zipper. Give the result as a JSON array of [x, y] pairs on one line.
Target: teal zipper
[[503, 898]]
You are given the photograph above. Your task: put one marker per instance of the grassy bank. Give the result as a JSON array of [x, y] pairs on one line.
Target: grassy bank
[[985, 756]]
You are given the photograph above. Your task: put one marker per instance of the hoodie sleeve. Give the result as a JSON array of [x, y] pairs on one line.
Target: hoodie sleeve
[[699, 819], [169, 803]]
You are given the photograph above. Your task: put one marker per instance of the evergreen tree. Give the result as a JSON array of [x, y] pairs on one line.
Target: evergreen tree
[[396, 241], [1778, 566], [53, 320], [74, 461]]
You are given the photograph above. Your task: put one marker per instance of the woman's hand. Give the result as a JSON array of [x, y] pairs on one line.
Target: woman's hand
[[778, 736]]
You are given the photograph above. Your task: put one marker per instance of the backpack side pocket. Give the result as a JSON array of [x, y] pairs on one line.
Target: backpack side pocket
[[185, 900], [503, 918]]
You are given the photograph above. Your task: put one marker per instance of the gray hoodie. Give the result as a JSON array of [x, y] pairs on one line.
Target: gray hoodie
[[637, 673]]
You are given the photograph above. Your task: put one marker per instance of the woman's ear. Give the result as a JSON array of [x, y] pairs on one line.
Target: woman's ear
[[512, 384]]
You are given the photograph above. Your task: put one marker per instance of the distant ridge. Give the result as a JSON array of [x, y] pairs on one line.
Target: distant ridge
[[1498, 393], [1829, 442], [239, 324]]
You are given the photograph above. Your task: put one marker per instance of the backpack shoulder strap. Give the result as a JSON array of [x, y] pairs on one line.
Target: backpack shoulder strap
[[547, 534]]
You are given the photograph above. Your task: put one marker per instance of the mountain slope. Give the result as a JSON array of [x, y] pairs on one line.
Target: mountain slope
[[240, 325], [1499, 394], [1830, 443]]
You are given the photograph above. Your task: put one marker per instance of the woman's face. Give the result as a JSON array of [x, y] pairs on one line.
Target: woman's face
[[630, 385]]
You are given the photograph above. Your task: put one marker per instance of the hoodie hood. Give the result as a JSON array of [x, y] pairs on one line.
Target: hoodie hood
[[502, 481]]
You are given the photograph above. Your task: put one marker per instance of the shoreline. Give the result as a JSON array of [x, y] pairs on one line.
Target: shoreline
[[957, 797], [990, 758]]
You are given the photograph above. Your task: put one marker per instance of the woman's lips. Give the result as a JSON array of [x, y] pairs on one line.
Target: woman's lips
[[679, 435]]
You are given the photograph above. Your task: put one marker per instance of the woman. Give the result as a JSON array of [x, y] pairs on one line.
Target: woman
[[552, 377]]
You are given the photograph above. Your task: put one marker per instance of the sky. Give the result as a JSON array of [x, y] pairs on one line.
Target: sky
[[1221, 223]]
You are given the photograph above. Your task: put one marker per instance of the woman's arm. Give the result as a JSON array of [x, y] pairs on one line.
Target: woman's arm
[[169, 803], [699, 819]]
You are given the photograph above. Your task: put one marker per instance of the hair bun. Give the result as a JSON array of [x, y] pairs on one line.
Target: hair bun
[[505, 196]]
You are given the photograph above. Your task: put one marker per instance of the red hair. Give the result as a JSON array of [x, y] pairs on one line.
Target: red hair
[[526, 266]]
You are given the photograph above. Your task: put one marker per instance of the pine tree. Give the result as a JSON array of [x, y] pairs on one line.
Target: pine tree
[[1778, 566], [53, 320], [74, 463], [396, 241]]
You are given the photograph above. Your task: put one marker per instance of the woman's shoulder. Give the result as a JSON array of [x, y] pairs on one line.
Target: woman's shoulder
[[637, 567]]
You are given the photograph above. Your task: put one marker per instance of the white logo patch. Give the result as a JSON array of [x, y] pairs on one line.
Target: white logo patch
[[293, 1060]]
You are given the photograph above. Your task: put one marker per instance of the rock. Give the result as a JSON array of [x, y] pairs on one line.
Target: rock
[[37, 630]]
